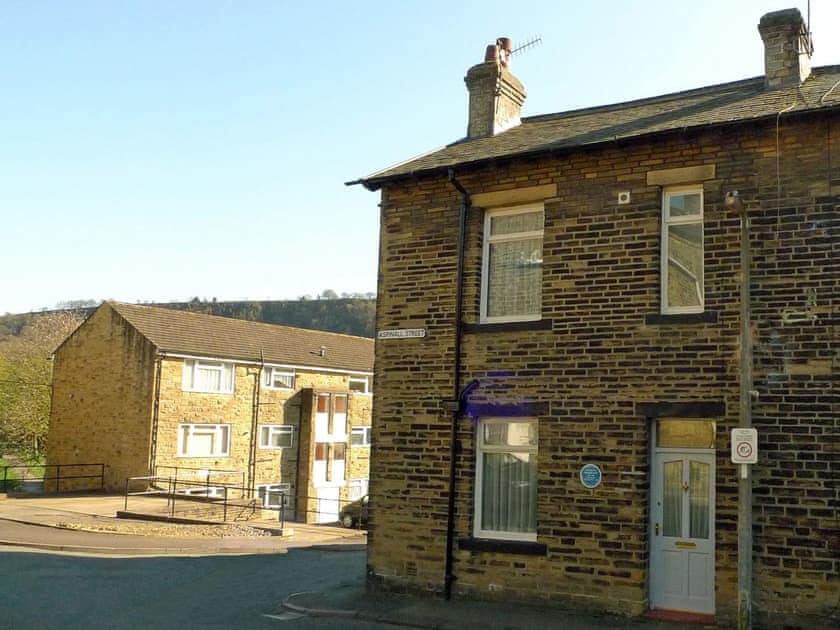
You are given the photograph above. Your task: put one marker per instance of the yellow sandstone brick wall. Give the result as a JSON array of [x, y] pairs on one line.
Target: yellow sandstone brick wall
[[103, 388], [600, 356]]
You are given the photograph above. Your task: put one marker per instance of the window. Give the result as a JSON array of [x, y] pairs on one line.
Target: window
[[331, 417], [506, 479], [208, 376], [203, 491], [682, 250], [356, 489], [273, 494], [360, 436], [204, 440], [276, 436], [338, 462], [512, 265], [278, 378], [319, 466], [360, 384]]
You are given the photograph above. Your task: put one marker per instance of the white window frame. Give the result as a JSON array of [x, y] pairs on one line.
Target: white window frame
[[668, 221], [270, 372], [192, 366], [357, 488], [276, 429], [365, 432], [222, 434], [285, 488], [215, 492], [485, 259], [481, 449], [365, 380]]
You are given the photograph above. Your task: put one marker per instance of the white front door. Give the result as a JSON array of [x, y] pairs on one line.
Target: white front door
[[682, 530], [328, 504]]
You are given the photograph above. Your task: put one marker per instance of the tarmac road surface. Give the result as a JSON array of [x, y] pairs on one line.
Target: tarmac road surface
[[45, 591]]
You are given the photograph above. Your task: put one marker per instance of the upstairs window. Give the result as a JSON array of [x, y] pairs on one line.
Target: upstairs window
[[276, 436], [331, 417], [360, 384], [511, 276], [208, 376], [682, 250], [278, 378]]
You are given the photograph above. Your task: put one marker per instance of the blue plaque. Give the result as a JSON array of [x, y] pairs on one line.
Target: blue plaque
[[590, 476]]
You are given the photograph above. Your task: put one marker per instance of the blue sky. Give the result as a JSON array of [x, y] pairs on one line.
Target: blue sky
[[155, 151]]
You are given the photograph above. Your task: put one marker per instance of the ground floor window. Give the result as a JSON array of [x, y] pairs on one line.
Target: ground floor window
[[360, 436], [356, 489], [272, 494], [506, 479]]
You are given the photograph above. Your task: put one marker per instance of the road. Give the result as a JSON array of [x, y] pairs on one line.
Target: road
[[46, 590]]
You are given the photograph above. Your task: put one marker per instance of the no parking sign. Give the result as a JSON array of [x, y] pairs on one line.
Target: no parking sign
[[744, 446]]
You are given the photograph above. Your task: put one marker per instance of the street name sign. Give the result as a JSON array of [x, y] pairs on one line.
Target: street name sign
[[402, 333]]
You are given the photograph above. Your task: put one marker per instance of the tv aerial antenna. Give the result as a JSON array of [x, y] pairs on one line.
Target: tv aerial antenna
[[531, 43]]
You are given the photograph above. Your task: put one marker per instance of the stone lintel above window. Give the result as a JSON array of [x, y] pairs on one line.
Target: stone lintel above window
[[686, 409], [508, 410], [513, 196], [684, 175]]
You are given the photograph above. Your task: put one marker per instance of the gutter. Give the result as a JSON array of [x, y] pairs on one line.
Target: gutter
[[375, 183]]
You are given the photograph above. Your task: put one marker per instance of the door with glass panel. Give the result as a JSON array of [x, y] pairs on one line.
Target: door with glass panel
[[683, 517]]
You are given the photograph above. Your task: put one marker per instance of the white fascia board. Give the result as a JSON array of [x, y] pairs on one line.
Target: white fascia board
[[308, 368]]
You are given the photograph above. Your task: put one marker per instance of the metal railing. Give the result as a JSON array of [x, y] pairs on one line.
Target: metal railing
[[174, 498], [189, 473], [67, 473]]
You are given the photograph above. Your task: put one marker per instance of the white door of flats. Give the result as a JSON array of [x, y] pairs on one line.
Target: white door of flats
[[682, 532]]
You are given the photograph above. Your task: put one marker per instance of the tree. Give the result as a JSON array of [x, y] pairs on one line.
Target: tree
[[25, 374]]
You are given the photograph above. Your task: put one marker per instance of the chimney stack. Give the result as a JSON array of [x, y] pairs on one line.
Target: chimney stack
[[496, 96], [787, 48]]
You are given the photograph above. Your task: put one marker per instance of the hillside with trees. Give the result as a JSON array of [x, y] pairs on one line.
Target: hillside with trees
[[25, 373]]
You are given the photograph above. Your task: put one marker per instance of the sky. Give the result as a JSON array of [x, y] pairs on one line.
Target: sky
[[164, 150]]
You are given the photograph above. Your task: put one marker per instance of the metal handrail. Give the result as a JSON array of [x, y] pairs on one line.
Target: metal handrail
[[58, 478]]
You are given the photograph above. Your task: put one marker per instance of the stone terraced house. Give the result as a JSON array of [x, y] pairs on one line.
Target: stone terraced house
[[146, 390], [561, 356]]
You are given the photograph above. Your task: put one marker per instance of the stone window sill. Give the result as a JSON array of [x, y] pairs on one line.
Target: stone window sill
[[540, 324], [524, 548], [662, 319]]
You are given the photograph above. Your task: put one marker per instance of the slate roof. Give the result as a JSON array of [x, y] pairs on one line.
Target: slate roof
[[183, 332], [722, 104]]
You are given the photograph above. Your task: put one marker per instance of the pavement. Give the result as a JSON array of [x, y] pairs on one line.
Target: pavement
[[57, 519], [354, 602], [87, 524]]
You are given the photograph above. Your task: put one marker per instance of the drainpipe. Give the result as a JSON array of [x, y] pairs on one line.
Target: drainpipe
[[449, 578], [155, 418], [255, 421]]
